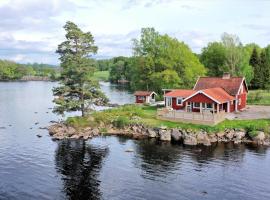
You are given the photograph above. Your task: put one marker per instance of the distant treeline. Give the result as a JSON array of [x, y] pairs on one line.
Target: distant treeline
[[14, 71], [160, 61]]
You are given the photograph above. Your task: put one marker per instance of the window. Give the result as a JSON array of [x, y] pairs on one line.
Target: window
[[239, 102], [209, 105], [179, 101], [196, 105], [140, 98]]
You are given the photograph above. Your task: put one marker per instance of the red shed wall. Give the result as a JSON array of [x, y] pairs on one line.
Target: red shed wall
[[140, 101]]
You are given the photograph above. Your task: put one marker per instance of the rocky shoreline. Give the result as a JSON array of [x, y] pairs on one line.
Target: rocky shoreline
[[61, 131]]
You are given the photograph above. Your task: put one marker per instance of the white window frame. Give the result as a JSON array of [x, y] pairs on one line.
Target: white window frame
[[181, 101], [239, 101], [210, 107], [196, 106]]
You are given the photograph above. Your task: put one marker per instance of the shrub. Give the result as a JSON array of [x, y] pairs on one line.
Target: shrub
[[77, 122], [121, 122]]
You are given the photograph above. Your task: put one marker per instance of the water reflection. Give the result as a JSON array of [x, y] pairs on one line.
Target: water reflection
[[157, 158], [79, 164]]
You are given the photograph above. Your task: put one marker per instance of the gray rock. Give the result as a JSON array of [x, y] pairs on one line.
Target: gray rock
[[151, 133], [95, 132], [202, 138], [190, 140], [220, 134], [176, 135], [239, 135], [165, 135], [260, 137], [230, 135]]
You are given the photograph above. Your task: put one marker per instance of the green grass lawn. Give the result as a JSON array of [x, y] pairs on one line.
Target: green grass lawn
[[101, 75], [259, 97], [134, 114]]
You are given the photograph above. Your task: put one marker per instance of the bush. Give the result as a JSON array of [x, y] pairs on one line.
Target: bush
[[121, 122], [77, 122]]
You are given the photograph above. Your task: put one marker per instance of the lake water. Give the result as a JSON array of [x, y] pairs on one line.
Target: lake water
[[39, 168]]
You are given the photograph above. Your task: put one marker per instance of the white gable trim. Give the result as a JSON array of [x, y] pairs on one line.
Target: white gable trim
[[196, 83], [242, 83], [201, 92]]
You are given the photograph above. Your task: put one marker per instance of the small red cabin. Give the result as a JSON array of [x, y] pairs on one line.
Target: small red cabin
[[145, 96], [210, 94]]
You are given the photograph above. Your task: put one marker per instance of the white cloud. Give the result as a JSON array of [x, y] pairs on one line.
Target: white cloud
[[30, 30]]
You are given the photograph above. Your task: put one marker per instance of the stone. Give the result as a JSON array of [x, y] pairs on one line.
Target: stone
[[190, 140], [165, 135], [259, 138], [75, 137], [220, 134], [202, 138], [129, 150], [239, 135], [213, 138], [39, 136], [151, 133], [230, 135], [176, 135], [95, 132]]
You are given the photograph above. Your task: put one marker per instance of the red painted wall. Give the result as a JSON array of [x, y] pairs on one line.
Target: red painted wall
[[175, 106], [200, 98], [243, 97], [140, 101]]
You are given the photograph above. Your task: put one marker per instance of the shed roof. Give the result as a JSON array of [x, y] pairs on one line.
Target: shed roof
[[144, 93]]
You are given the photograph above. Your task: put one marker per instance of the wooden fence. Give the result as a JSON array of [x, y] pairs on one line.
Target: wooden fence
[[206, 118]]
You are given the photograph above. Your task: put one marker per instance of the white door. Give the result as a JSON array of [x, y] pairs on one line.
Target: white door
[[168, 102]]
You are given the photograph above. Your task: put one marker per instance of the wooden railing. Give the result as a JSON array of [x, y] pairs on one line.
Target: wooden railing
[[192, 117]]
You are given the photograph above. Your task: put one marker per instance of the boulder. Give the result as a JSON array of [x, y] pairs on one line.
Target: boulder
[[213, 138], [190, 140], [259, 138], [176, 135], [202, 138], [95, 131], [230, 135], [239, 135], [220, 134], [151, 133], [165, 135]]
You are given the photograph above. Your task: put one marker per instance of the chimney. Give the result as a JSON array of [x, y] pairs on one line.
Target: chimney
[[226, 75]]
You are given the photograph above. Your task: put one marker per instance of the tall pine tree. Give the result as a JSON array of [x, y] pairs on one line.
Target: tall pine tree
[[256, 65], [78, 91]]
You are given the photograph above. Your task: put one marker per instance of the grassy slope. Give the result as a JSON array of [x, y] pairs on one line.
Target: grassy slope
[[259, 97], [101, 75], [147, 115]]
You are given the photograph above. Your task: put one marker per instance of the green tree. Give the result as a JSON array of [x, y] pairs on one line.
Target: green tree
[[156, 53], [165, 79], [78, 91], [213, 57], [255, 62], [267, 68]]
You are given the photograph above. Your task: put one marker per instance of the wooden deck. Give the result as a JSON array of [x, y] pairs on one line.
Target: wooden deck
[[206, 118]]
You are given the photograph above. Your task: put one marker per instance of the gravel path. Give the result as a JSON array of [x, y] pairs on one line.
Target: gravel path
[[252, 112]]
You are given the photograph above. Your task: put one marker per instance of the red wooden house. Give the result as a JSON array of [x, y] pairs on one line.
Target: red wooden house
[[210, 94], [145, 96]]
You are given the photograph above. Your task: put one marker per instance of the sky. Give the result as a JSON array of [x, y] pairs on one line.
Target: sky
[[30, 30]]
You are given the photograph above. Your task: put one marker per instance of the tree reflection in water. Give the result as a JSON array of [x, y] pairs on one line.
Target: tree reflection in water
[[79, 164]]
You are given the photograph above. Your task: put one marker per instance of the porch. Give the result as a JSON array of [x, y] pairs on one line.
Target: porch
[[205, 118]]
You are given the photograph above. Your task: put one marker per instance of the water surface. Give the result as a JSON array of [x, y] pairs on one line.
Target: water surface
[[39, 168]]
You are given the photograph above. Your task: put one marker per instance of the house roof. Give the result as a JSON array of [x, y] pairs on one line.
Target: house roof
[[180, 93], [230, 85], [144, 93], [218, 94]]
